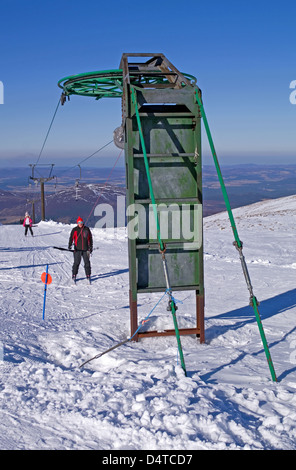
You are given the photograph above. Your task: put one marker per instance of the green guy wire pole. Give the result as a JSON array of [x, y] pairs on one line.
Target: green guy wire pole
[[162, 247], [232, 222], [237, 243]]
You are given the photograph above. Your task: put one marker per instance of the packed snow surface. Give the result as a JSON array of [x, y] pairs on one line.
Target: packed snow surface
[[137, 396]]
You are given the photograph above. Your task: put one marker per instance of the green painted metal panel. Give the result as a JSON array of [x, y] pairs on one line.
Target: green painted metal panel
[[172, 139], [182, 267]]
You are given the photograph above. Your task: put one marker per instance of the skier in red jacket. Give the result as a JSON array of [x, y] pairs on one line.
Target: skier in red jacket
[[28, 224], [83, 245]]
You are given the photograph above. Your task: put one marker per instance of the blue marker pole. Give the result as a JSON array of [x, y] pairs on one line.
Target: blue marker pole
[[45, 289]]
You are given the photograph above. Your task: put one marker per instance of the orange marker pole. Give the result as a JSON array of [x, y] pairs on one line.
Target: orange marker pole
[[46, 278]]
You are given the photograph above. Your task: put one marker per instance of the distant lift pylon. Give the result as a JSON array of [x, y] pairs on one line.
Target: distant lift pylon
[[42, 180]]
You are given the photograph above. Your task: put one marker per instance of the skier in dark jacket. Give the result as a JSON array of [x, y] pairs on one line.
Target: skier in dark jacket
[[83, 245]]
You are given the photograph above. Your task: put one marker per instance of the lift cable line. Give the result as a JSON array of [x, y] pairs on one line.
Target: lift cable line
[[61, 101], [41, 179], [145, 320], [100, 194], [48, 131], [86, 158], [77, 180]]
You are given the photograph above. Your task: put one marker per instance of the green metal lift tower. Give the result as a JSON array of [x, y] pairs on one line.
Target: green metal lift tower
[[161, 137], [159, 102], [160, 132]]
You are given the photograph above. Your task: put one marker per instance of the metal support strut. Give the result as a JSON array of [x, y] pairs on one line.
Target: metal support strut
[[245, 271], [172, 307], [254, 303], [238, 244]]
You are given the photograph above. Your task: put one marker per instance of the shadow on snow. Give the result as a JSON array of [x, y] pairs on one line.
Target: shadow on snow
[[267, 308]]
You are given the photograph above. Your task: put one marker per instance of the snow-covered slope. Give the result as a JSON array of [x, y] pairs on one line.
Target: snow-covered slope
[[137, 397]]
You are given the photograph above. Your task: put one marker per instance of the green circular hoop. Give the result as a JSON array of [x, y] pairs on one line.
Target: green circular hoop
[[109, 83]]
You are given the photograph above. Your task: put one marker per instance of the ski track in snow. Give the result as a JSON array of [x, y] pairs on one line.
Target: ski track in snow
[[137, 396]]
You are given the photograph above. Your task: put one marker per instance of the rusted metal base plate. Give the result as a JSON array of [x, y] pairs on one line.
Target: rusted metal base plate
[[182, 331]]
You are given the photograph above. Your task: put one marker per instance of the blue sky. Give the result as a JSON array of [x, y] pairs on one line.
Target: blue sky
[[242, 53]]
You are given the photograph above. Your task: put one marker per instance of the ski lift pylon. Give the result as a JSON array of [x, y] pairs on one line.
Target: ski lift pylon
[[77, 183]]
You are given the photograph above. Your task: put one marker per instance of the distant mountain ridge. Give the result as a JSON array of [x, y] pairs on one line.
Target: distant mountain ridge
[[63, 206], [245, 184]]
